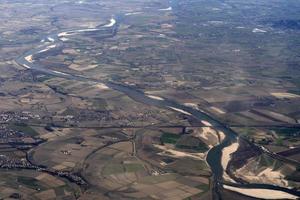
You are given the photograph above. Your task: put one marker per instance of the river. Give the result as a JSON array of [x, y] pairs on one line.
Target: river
[[214, 155]]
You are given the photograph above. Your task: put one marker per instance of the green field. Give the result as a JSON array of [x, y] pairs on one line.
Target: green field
[[169, 138], [24, 128]]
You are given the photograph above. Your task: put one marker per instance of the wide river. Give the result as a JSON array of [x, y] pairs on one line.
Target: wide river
[[214, 155]]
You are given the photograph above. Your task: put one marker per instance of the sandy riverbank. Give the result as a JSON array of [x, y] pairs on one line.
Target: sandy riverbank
[[262, 193]]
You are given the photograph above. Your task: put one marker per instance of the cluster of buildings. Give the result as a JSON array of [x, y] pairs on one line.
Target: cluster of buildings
[[6, 117], [10, 163]]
